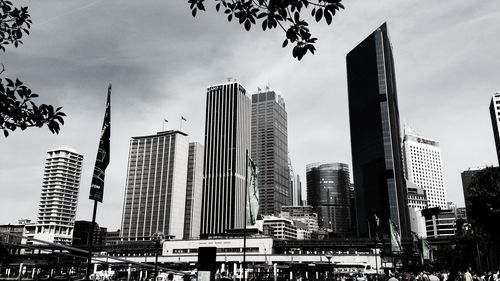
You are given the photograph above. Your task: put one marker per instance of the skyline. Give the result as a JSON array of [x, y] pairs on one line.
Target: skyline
[[446, 100]]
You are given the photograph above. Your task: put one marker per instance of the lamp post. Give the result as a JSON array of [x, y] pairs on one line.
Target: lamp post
[[329, 256], [158, 237]]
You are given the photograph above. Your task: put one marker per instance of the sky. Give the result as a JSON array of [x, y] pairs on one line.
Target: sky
[[160, 61]]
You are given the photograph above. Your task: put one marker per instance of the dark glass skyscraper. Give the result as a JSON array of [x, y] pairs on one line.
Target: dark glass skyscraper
[[328, 193], [270, 151], [227, 140], [375, 137]]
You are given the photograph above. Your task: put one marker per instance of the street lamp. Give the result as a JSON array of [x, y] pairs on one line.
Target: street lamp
[[158, 237]]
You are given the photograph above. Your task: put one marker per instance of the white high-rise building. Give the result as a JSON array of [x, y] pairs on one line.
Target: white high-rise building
[[227, 141], [155, 188], [423, 166], [59, 196]]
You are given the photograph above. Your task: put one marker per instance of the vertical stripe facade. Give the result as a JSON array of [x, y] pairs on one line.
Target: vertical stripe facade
[[155, 187], [227, 138]]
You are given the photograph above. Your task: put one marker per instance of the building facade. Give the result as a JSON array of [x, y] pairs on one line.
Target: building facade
[[375, 136], [304, 214], [155, 188], [495, 121], [439, 223], [59, 196], [279, 228], [194, 191], [417, 198], [328, 187], [227, 142], [270, 151], [424, 167]]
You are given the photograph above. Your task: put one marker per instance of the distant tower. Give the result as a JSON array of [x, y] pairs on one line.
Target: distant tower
[[423, 167], [194, 191], [155, 189], [375, 137], [59, 197], [227, 139], [270, 151], [495, 121], [328, 187]]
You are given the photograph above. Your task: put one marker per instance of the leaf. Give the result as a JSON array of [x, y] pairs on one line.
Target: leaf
[[328, 17], [217, 7], [5, 133], [319, 15], [193, 12], [247, 25], [285, 43]]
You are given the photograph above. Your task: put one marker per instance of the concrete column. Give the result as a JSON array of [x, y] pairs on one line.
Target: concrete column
[[128, 272], [20, 271], [275, 271]]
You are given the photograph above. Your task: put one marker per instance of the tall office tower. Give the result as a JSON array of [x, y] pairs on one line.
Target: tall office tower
[[59, 197], [328, 187], [270, 151], [375, 136], [423, 167], [227, 140], [495, 121], [155, 189], [194, 191]]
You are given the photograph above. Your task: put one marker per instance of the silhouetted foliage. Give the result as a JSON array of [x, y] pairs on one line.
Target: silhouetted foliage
[[17, 109], [484, 196], [484, 215], [287, 14]]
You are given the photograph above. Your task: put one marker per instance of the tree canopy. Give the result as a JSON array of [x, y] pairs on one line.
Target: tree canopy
[[17, 108], [286, 14]]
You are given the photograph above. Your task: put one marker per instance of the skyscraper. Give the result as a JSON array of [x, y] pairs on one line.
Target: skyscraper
[[328, 187], [375, 136], [59, 197], [194, 191], [423, 167], [495, 121], [155, 189], [270, 151], [227, 140]]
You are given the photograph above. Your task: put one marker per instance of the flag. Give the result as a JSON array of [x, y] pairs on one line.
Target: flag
[[395, 238], [102, 159], [182, 118], [253, 193]]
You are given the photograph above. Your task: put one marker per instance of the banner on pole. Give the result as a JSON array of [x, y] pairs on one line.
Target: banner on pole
[[395, 238], [102, 159], [253, 193]]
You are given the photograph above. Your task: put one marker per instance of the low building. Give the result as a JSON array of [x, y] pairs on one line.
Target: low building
[[304, 214], [11, 234], [417, 197], [279, 228], [112, 237], [439, 223]]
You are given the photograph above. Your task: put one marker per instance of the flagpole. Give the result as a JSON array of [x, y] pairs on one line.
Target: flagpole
[[91, 240], [97, 184], [245, 220]]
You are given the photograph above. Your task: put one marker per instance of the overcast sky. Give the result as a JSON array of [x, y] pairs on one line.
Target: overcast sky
[[160, 61]]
